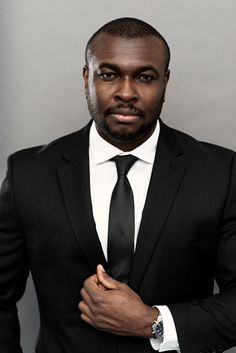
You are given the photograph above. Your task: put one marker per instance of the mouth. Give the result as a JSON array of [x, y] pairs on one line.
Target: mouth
[[125, 115], [125, 118]]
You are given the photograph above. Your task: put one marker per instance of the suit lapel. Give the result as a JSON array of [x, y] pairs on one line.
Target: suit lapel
[[167, 174], [75, 185]]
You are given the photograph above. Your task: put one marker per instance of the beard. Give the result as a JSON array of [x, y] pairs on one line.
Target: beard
[[123, 135], [105, 130]]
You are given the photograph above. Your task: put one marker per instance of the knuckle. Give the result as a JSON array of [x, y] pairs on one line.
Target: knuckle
[[80, 306], [96, 298], [123, 285], [89, 281], [85, 283]]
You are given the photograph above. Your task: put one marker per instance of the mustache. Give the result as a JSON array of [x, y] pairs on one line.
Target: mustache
[[124, 110]]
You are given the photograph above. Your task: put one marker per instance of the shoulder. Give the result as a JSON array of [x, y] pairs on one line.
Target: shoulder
[[194, 149], [39, 156], [46, 157], [51, 151], [207, 165], [54, 147]]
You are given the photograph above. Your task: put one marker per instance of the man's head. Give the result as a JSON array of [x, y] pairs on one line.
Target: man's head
[[125, 77], [128, 28]]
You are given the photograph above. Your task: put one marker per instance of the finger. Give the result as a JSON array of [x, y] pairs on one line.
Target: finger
[[91, 284], [86, 319], [101, 286], [107, 281], [86, 297], [86, 314], [83, 307], [100, 268], [91, 280]]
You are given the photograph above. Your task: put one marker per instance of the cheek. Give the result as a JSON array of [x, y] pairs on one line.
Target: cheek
[[155, 97], [92, 93], [151, 101], [102, 97]]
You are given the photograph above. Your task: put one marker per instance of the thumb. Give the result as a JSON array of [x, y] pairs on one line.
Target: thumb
[[107, 281]]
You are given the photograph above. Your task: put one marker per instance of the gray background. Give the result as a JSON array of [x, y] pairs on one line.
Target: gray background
[[41, 92]]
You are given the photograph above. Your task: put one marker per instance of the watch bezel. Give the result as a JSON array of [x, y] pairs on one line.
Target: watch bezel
[[157, 327]]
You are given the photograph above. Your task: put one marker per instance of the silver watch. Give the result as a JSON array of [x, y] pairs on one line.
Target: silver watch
[[157, 328]]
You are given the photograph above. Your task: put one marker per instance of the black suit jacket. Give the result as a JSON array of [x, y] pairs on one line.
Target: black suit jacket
[[187, 238]]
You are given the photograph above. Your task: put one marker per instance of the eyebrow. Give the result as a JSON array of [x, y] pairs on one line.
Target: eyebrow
[[140, 69], [109, 66], [148, 68]]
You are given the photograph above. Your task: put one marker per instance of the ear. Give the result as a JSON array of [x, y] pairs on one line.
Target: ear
[[166, 80], [167, 77], [85, 75]]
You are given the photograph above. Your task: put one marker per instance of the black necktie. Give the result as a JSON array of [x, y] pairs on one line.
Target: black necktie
[[121, 222]]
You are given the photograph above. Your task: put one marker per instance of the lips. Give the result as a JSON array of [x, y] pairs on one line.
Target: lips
[[124, 112], [125, 115], [121, 118]]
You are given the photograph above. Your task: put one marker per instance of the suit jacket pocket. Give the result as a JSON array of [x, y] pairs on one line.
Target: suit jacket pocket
[[178, 241]]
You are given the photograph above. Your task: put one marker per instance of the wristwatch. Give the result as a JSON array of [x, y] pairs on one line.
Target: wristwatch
[[157, 328]]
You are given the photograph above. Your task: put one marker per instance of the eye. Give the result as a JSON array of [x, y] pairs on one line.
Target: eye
[[145, 78], [108, 76]]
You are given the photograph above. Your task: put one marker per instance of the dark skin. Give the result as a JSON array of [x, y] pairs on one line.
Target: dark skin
[[125, 83], [111, 306]]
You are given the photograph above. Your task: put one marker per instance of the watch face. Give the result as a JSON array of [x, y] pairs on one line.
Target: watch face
[[157, 328], [160, 328], [159, 332]]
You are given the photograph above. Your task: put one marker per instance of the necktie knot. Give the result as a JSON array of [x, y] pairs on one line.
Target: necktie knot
[[124, 163]]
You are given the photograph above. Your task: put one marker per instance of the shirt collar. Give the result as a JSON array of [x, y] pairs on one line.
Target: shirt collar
[[103, 151]]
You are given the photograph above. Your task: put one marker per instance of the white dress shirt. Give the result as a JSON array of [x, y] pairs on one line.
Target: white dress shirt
[[103, 177]]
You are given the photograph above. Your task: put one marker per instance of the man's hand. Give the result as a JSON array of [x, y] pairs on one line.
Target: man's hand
[[111, 306]]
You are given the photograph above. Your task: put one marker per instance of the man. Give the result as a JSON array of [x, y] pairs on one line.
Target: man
[[65, 209]]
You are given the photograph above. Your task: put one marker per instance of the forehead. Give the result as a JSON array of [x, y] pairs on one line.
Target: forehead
[[142, 51]]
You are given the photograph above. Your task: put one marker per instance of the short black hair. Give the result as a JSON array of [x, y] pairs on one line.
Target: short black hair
[[129, 28]]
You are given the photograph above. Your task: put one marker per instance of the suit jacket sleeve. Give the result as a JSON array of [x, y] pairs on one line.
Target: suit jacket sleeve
[[13, 268], [209, 324]]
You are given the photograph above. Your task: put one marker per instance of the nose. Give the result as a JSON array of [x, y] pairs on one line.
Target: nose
[[126, 91]]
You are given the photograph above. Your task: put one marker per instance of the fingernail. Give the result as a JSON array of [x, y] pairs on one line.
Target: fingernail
[[101, 268]]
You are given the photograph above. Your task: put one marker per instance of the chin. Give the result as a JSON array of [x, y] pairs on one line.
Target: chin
[[125, 132]]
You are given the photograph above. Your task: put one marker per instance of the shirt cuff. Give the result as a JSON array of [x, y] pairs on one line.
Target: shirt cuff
[[170, 341]]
